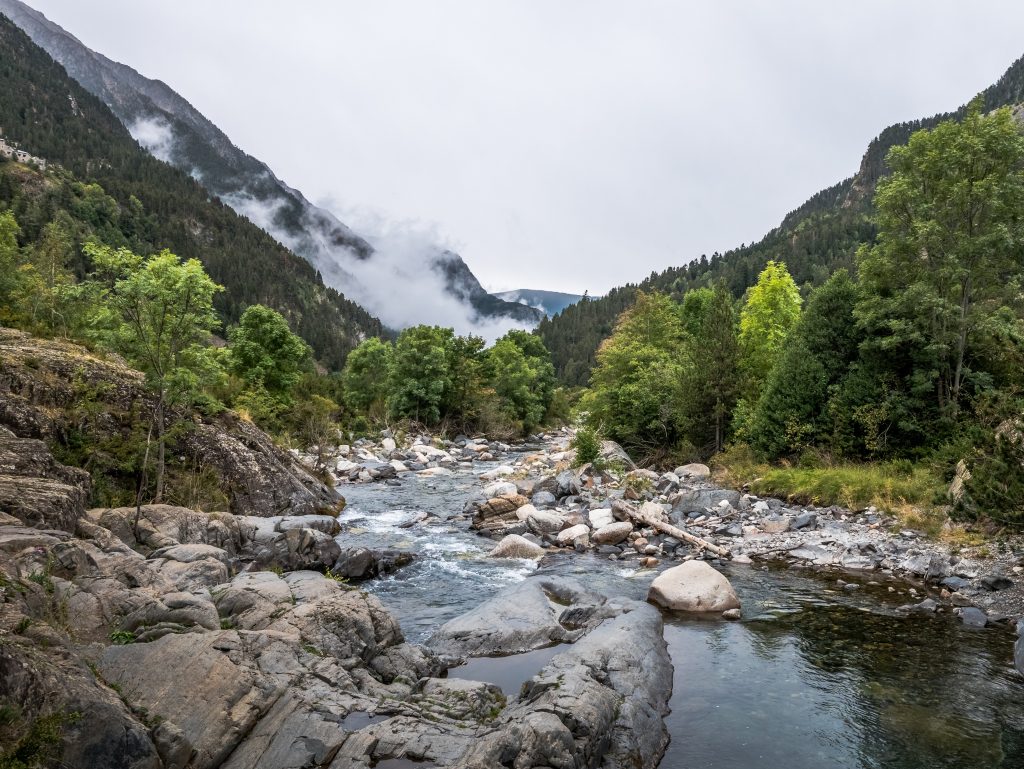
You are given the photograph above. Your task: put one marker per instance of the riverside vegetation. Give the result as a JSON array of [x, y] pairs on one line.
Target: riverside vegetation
[[885, 386]]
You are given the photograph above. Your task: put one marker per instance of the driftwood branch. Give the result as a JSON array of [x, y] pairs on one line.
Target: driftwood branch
[[632, 514]]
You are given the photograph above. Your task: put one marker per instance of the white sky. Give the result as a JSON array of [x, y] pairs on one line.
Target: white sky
[[560, 144]]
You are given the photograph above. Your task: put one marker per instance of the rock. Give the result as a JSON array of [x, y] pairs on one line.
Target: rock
[[514, 546], [955, 583], [927, 565], [570, 535], [500, 489], [927, 606], [545, 522], [613, 452], [600, 702], [805, 521], [775, 524], [612, 533], [518, 619], [1018, 648], [732, 614], [37, 489], [693, 586], [567, 484], [995, 582], [600, 517], [972, 616], [524, 512], [542, 499], [388, 444], [362, 563], [693, 471], [699, 500]]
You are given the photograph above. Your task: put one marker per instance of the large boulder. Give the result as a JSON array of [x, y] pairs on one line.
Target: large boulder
[[363, 563], [573, 533], [694, 586], [612, 533], [545, 521], [514, 546], [1018, 648]]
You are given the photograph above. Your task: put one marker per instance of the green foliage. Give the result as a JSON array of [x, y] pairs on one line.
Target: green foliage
[[32, 744], [639, 368], [948, 257], [587, 446], [522, 377], [420, 377], [122, 637], [365, 377], [771, 310], [712, 384], [265, 353], [792, 412]]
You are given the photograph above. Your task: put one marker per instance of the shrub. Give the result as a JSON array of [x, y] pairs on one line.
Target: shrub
[[587, 446]]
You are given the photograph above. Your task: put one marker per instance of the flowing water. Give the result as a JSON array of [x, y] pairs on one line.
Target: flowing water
[[813, 677]]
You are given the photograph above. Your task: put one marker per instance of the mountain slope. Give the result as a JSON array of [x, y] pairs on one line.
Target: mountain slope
[[173, 130], [54, 117], [814, 240], [548, 302]]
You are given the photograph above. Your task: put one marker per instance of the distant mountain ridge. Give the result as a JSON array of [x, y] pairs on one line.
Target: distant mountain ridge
[[147, 205], [169, 127], [814, 240], [549, 302]]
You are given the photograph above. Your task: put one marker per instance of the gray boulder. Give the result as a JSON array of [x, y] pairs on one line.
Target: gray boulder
[[612, 534], [699, 500], [693, 586]]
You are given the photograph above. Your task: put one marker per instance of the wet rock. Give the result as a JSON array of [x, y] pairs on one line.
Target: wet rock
[[514, 546], [972, 616], [955, 583], [601, 702], [732, 614], [363, 563], [694, 587]]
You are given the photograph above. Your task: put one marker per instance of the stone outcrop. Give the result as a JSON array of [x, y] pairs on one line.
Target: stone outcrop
[[35, 488], [50, 389]]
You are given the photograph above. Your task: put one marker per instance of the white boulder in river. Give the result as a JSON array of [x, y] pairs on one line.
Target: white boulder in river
[[693, 586], [514, 546]]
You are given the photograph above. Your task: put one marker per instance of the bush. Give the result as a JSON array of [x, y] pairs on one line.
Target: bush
[[587, 446]]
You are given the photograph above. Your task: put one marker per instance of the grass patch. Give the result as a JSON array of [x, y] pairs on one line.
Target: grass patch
[[912, 492]]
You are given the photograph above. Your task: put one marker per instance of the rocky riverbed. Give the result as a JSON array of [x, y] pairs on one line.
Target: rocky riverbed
[[475, 605]]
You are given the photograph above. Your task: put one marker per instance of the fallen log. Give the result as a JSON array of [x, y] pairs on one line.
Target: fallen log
[[635, 516]]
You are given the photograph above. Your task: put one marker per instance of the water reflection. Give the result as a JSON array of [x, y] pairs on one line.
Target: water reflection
[[851, 683]]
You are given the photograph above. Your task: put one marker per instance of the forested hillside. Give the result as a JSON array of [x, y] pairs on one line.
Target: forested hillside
[[815, 240], [147, 205]]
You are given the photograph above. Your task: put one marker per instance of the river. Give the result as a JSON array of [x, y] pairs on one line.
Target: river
[[816, 675]]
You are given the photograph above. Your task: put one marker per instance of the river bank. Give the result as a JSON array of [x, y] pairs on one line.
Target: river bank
[[845, 611]]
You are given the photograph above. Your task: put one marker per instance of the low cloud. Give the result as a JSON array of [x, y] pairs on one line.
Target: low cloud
[[155, 135]]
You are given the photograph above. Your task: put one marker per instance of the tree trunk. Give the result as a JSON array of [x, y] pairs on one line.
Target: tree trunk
[[961, 348], [160, 450], [629, 512]]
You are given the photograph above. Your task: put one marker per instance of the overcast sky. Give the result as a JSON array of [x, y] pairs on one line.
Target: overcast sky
[[565, 145]]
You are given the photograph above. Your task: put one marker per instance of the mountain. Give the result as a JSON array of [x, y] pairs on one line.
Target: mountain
[[815, 240], [172, 129], [548, 302], [152, 205]]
